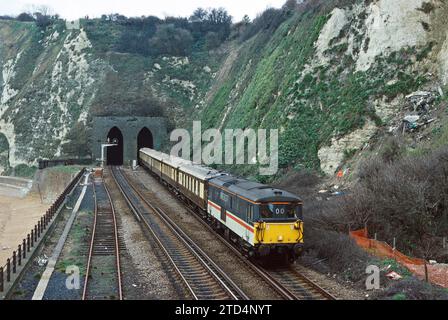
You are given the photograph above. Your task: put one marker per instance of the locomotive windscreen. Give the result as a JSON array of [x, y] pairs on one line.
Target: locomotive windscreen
[[280, 210]]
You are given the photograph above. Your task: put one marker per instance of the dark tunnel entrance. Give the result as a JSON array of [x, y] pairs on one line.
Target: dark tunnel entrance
[[115, 154], [144, 140]]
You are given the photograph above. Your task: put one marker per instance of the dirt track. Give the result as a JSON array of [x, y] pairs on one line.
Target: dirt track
[[17, 217]]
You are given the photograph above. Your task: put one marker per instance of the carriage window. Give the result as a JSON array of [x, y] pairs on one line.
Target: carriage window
[[201, 190]]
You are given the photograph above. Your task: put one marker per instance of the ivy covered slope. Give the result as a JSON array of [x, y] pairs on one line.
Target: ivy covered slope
[[331, 77]]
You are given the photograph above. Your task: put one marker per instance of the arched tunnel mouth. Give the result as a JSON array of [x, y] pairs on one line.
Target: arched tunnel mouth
[[144, 140], [115, 154]]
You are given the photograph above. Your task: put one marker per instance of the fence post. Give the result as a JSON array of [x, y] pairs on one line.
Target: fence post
[[14, 262], [19, 254], [28, 243], [8, 270], [426, 272], [38, 229], [32, 237], [24, 248], [1, 279], [35, 233]]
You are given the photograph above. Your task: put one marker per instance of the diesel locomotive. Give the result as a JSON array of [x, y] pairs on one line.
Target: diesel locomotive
[[263, 221]]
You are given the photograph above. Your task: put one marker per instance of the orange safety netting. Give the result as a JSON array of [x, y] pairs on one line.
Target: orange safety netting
[[437, 274]]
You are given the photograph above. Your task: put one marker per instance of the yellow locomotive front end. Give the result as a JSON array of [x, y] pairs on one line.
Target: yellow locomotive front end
[[280, 230]]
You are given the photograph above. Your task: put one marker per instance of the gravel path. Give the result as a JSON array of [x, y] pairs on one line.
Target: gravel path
[[74, 252]]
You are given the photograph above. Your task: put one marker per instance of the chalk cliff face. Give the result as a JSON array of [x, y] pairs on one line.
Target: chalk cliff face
[[330, 77], [48, 83]]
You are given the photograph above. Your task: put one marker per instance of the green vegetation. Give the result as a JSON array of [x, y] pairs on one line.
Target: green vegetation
[[395, 266], [24, 171], [174, 67], [78, 236], [66, 169], [272, 90], [399, 296]]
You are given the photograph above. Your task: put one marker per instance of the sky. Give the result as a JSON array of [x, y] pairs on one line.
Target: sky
[[74, 9]]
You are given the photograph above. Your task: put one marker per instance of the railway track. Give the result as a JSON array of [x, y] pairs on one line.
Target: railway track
[[286, 281], [103, 272], [200, 275], [295, 285]]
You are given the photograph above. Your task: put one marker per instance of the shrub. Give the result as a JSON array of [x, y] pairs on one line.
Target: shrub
[[171, 40], [78, 144], [24, 171], [25, 17], [270, 20], [334, 252], [212, 40], [406, 199], [412, 289]]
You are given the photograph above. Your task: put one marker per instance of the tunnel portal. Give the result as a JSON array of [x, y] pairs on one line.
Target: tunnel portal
[[115, 154], [131, 133], [144, 140]]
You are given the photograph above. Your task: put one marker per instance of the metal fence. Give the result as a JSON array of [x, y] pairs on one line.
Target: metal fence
[[63, 162], [24, 249]]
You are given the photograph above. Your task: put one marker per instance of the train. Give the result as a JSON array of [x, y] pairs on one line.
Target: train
[[264, 222]]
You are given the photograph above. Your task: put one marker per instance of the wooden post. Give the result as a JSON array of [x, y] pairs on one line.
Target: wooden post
[[19, 255], [14, 262], [35, 233], [426, 272], [32, 237], [28, 243], [24, 248], [2, 287], [8, 270]]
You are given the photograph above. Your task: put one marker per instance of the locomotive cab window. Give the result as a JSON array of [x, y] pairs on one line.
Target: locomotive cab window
[[279, 210]]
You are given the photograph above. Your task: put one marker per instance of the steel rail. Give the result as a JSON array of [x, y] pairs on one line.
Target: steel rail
[[94, 239], [212, 268]]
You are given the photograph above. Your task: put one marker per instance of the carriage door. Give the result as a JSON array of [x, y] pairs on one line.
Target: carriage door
[[224, 200], [223, 214]]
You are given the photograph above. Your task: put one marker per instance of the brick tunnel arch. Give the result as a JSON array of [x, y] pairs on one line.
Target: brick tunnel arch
[[144, 140], [115, 154]]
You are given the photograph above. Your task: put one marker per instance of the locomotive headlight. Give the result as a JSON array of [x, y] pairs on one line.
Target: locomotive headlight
[[280, 238]]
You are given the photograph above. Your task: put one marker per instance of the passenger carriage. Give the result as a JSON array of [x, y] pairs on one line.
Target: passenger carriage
[[262, 220]]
